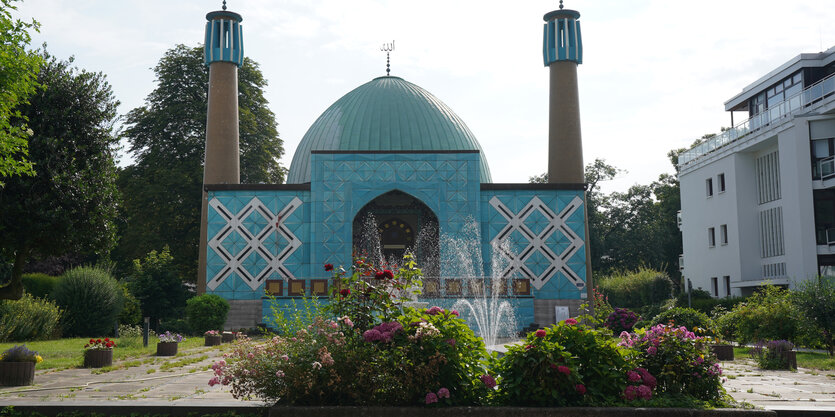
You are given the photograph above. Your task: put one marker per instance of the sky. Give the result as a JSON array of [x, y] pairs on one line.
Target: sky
[[655, 74]]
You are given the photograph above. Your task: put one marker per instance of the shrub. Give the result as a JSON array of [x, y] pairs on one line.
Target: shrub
[[131, 313], [766, 315], [816, 300], [636, 289], [157, 286], [176, 326], [679, 360], [692, 319], [566, 364], [771, 354], [91, 300], [28, 319], [131, 336], [621, 320], [206, 312], [39, 285]]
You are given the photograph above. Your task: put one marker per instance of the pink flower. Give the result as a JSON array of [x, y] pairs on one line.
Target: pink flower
[[540, 333], [285, 358], [528, 347], [564, 369], [652, 350], [633, 376], [316, 365], [347, 321], [372, 335], [434, 310], [327, 359], [580, 388], [454, 313], [279, 374], [644, 392], [488, 380], [214, 381], [572, 322], [443, 393], [630, 392], [431, 398]]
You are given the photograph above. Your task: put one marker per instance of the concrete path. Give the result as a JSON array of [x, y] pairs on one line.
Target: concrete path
[[149, 384]]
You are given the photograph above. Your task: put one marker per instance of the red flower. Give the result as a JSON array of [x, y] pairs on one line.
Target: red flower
[[328, 267], [380, 275], [106, 339], [344, 292], [528, 347], [92, 341], [580, 388], [98, 340], [564, 369], [571, 322], [540, 333], [387, 274]]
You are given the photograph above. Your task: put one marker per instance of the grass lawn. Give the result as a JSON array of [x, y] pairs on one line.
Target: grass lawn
[[67, 353], [812, 360]]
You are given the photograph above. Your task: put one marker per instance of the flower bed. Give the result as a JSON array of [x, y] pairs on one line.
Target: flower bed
[[367, 349]]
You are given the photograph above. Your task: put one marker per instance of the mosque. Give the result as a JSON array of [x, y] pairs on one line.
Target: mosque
[[392, 152]]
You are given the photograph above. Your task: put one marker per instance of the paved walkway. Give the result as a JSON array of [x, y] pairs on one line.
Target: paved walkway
[[148, 384]]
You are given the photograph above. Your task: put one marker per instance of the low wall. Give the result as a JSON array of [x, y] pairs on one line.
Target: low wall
[[279, 411]]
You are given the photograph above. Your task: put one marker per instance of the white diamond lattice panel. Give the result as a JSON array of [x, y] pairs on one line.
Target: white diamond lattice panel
[[254, 242], [536, 241]]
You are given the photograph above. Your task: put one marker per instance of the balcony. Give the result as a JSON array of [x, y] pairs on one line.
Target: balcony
[[813, 94]]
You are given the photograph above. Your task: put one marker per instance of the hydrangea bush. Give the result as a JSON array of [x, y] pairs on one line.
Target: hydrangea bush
[[621, 320]]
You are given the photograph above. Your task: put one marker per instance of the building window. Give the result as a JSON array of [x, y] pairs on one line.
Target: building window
[[727, 281], [723, 234], [720, 179], [714, 285], [709, 186], [711, 237]]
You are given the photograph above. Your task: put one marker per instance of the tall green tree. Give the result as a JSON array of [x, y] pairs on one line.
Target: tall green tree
[[70, 204], [167, 138], [18, 80]]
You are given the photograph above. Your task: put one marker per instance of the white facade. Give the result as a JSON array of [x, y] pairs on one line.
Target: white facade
[[758, 200]]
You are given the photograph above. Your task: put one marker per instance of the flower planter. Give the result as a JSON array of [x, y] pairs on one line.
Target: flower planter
[[98, 358], [790, 359], [228, 337], [14, 374], [212, 340], [167, 348], [723, 352]]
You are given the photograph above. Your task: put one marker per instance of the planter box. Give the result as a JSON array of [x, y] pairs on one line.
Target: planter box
[[212, 340], [167, 348], [723, 352], [13, 374], [790, 359], [98, 358], [228, 337]]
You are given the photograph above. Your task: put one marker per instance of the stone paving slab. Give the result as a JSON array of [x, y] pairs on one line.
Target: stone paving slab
[[149, 385]]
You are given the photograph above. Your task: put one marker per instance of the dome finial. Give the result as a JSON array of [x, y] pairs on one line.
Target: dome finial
[[224, 4], [560, 4], [388, 47]]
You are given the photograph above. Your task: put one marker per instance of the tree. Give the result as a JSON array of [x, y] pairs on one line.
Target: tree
[[816, 300], [157, 286], [167, 137], [18, 80], [70, 204]]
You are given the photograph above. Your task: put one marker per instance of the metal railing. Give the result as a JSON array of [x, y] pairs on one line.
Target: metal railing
[[808, 96]]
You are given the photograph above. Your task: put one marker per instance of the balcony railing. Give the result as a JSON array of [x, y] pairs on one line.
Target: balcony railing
[[826, 167], [808, 96]]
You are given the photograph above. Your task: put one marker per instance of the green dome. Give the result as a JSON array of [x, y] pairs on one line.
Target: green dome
[[385, 114]]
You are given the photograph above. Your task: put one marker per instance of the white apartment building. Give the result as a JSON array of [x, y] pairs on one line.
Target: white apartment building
[[758, 200]]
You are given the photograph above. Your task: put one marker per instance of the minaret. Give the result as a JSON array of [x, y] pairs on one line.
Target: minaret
[[562, 50], [224, 54]]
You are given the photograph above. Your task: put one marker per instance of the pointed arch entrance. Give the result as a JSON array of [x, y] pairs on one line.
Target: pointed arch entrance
[[389, 225]]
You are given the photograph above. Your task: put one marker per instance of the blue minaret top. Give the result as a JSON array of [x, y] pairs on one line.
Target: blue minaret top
[[224, 38], [562, 40]]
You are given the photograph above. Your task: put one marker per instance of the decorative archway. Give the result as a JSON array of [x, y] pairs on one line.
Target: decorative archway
[[394, 222]]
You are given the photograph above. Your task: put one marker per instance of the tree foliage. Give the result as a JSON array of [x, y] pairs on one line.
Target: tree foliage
[[167, 138], [816, 300], [70, 204], [157, 286], [18, 81]]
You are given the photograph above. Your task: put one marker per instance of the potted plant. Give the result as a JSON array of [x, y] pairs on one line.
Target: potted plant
[[228, 336], [98, 353], [168, 342], [212, 338], [775, 354], [17, 366], [723, 350]]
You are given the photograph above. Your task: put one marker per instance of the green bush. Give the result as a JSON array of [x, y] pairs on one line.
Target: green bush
[[636, 289], [28, 319], [131, 312], [180, 326], [39, 285], [689, 318], [206, 312], [567, 364], [766, 315], [157, 286], [816, 300], [702, 300], [91, 300]]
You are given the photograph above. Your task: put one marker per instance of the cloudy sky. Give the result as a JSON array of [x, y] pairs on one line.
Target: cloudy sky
[[655, 73]]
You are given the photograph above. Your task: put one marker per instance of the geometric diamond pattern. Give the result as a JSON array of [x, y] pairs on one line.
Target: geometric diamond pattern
[[531, 250], [242, 243]]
